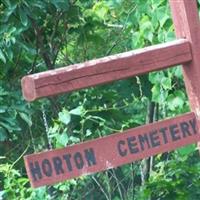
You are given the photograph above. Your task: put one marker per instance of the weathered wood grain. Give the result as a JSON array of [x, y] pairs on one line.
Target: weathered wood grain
[[108, 152], [187, 25], [106, 69]]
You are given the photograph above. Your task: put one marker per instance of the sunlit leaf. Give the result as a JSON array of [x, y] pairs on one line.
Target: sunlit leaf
[[77, 111], [23, 17], [64, 116], [2, 56]]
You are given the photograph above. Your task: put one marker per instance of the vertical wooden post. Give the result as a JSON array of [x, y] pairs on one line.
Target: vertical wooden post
[[187, 25]]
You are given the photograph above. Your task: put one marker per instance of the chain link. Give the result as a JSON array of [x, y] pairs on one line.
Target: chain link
[[46, 127], [163, 105]]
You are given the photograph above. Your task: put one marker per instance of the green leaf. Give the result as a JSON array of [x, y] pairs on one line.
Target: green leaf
[[88, 132], [9, 53], [146, 28], [53, 131], [2, 110], [26, 118], [3, 134], [156, 93], [166, 83], [61, 4], [185, 151], [3, 92], [74, 139], [77, 111], [101, 9], [161, 15], [2, 57], [176, 100], [8, 12], [23, 17], [63, 139], [12, 30], [178, 72], [170, 36], [10, 126], [155, 77], [64, 117]]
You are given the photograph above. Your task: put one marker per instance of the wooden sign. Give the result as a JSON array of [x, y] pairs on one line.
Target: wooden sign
[[108, 152], [118, 149], [106, 69]]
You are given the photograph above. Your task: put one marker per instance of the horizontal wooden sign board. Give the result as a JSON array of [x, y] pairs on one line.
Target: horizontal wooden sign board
[[107, 69], [108, 152]]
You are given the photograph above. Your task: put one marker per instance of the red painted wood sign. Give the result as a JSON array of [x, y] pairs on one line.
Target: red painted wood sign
[[111, 151], [117, 149], [106, 69]]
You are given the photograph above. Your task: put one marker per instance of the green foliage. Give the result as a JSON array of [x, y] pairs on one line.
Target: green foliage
[[168, 180], [14, 115], [40, 35]]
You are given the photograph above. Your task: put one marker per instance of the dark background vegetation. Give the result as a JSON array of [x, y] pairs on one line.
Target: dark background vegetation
[[41, 35]]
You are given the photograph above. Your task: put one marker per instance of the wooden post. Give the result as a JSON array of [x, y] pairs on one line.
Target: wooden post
[[106, 69], [186, 23], [133, 144]]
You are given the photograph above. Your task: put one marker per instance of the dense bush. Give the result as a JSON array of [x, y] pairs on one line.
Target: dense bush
[[41, 35]]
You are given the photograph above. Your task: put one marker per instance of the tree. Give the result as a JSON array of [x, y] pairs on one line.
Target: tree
[[40, 35]]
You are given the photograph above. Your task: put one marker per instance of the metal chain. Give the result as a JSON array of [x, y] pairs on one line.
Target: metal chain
[[45, 120], [163, 105], [46, 128]]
